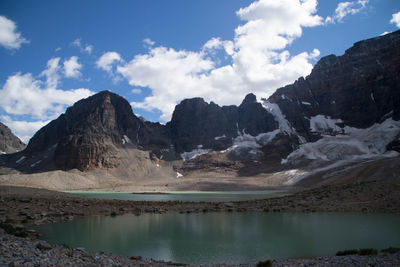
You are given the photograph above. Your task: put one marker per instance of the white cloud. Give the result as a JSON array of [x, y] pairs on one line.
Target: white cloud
[[136, 91], [106, 61], [344, 9], [260, 61], [396, 19], [52, 72], [72, 67], [83, 48], [88, 49], [9, 37], [148, 41], [77, 43], [23, 129], [23, 95]]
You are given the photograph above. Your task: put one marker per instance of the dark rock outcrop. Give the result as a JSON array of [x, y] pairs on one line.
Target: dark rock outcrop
[[360, 88], [195, 122], [90, 132], [9, 143]]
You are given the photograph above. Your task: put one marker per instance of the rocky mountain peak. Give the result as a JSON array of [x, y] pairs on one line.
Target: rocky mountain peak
[[359, 88], [249, 99], [9, 143]]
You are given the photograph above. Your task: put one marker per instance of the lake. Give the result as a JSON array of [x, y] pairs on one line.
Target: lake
[[194, 196], [227, 237]]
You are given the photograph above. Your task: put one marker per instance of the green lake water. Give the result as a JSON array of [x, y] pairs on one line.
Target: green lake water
[[195, 196], [227, 237]]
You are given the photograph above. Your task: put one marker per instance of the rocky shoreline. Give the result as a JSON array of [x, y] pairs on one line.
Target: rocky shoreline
[[27, 205]]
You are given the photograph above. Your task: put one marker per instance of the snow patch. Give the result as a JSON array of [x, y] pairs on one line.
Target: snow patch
[[250, 145], [126, 140], [195, 153], [306, 103], [353, 144], [324, 124], [372, 96], [36, 163], [219, 137], [294, 176], [20, 159], [178, 175], [280, 118]]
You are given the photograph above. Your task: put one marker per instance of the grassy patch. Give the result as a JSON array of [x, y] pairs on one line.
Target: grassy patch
[[390, 250]]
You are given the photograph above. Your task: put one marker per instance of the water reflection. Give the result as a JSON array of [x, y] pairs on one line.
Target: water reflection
[[228, 237]]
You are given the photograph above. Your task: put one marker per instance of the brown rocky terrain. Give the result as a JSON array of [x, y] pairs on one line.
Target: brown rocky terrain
[[9, 143]]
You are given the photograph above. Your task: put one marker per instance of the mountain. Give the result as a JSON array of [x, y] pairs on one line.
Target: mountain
[[347, 110], [90, 135], [196, 123], [9, 143], [358, 89]]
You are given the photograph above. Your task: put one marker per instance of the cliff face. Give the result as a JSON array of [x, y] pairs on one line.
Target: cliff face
[[88, 134], [195, 122], [361, 88], [9, 143]]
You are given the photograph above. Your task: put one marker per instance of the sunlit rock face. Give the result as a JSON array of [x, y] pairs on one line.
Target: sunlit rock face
[[9, 143], [90, 132]]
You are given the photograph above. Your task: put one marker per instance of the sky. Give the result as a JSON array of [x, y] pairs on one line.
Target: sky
[[156, 53]]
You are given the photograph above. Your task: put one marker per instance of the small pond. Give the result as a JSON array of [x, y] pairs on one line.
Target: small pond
[[227, 237], [194, 196]]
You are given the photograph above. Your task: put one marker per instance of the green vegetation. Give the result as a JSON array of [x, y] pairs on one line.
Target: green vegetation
[[390, 250], [266, 263], [368, 251], [113, 214], [347, 252], [362, 252]]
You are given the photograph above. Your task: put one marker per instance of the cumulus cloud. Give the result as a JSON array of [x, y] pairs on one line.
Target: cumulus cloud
[[29, 103], [72, 67], [9, 37], [23, 129], [23, 95], [106, 61], [396, 19], [344, 9], [52, 72], [260, 62]]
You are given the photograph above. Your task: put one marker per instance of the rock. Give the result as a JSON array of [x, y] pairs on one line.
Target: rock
[[361, 88], [9, 143], [88, 135], [42, 245], [198, 124]]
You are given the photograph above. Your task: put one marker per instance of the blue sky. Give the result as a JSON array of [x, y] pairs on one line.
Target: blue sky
[[156, 53]]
